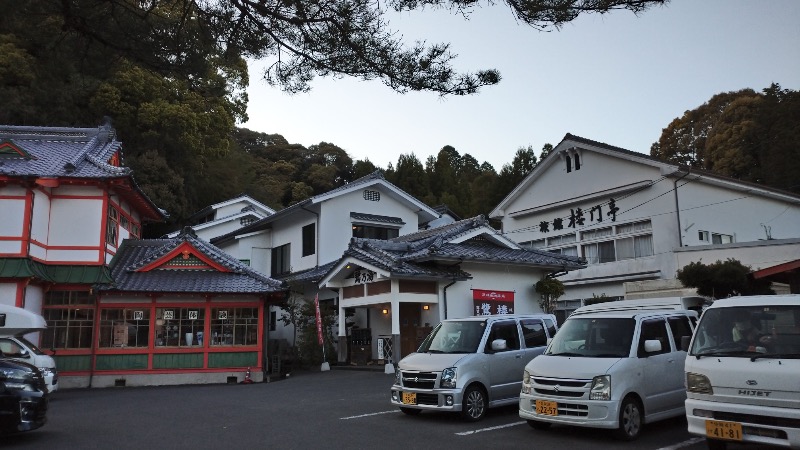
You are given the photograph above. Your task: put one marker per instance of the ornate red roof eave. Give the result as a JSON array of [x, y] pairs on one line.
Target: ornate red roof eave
[[187, 249], [130, 192], [774, 270]]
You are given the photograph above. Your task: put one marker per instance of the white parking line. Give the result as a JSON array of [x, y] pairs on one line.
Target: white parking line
[[467, 433], [684, 444], [370, 414]]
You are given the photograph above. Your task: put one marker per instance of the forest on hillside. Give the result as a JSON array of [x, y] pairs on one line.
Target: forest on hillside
[[172, 79]]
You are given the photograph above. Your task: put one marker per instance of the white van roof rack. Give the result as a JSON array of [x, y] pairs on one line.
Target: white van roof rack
[[694, 303]]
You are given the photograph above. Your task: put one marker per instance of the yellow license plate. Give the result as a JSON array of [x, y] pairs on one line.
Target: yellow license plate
[[546, 407], [731, 431], [409, 398]]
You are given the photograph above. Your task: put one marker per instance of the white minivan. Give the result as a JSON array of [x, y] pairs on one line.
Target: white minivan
[[15, 323], [616, 365], [743, 372], [468, 365]]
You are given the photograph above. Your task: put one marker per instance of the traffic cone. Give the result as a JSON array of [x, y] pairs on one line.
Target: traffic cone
[[247, 379]]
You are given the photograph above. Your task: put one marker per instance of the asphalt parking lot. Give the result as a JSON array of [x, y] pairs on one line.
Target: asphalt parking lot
[[336, 409]]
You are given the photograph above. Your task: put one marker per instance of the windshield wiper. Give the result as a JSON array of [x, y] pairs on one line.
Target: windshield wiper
[[775, 356], [434, 351], [565, 354]]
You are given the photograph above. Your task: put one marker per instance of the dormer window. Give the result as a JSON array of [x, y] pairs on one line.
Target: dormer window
[[373, 196], [572, 158]]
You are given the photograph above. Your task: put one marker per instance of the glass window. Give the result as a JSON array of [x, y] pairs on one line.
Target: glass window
[[68, 328], [533, 333], [654, 329], [539, 243], [595, 234], [309, 239], [70, 319], [281, 260], [112, 226], [125, 327], [180, 327], [454, 336], [721, 238], [551, 327], [372, 232], [679, 325], [507, 331], [234, 326], [593, 337]]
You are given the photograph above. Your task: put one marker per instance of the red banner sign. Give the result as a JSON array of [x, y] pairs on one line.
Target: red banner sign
[[319, 319], [497, 296], [492, 302]]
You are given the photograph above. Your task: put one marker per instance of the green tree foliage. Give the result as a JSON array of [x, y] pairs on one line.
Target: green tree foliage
[[300, 39], [550, 290], [722, 279], [743, 134]]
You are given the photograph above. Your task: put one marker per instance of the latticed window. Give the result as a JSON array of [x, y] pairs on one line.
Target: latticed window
[[234, 326], [70, 320], [125, 327], [180, 327]]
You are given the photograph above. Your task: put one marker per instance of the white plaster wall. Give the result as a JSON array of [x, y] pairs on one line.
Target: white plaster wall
[[8, 294], [719, 210], [75, 222], [40, 227], [289, 231], [520, 280], [13, 214], [336, 226]]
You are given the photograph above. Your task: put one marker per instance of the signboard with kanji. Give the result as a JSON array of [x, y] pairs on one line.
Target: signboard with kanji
[[488, 302]]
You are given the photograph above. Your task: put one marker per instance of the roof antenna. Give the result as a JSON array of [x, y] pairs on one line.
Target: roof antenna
[[767, 231]]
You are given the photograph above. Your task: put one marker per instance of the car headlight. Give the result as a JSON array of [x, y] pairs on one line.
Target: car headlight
[[526, 377], [18, 379], [397, 376], [601, 388], [448, 378], [698, 384], [47, 371]]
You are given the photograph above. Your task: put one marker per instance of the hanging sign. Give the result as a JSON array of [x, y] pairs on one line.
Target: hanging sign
[[488, 302], [319, 319]]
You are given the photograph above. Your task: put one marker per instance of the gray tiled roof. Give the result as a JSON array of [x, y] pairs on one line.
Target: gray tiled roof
[[431, 252], [81, 153], [62, 152], [135, 254]]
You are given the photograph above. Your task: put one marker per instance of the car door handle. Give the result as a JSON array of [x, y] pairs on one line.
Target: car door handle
[[518, 356], [671, 360]]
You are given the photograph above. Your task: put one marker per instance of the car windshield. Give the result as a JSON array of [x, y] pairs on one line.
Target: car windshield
[[762, 331], [31, 346], [454, 337], [593, 337]]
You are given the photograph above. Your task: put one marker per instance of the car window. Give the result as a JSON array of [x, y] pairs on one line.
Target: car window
[[10, 348], [679, 325], [551, 327], [533, 333], [654, 329], [507, 331]]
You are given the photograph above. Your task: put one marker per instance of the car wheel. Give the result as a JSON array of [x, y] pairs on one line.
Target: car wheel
[[410, 411], [473, 404], [539, 425], [714, 444], [630, 419]]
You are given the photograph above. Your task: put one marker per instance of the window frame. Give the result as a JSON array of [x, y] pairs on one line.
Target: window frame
[[309, 239]]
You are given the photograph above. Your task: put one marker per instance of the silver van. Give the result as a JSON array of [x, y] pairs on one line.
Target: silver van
[[617, 366], [471, 364]]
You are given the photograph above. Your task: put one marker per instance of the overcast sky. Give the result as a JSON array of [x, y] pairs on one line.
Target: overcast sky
[[615, 78]]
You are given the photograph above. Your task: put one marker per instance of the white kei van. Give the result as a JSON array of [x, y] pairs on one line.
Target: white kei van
[[15, 323], [615, 365], [743, 372], [468, 365]]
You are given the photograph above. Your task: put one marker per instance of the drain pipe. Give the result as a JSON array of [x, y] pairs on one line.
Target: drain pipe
[[444, 296], [677, 206]]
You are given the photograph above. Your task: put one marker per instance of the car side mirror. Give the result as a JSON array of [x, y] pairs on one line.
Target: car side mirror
[[499, 345], [652, 346], [685, 341]]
